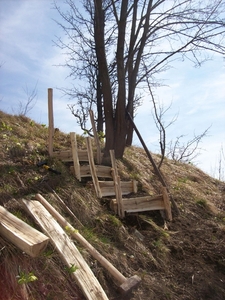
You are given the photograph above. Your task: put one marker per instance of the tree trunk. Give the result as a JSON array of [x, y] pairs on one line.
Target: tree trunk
[[100, 120], [120, 120], [104, 75]]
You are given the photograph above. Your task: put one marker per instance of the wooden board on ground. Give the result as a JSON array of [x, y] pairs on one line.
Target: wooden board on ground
[[83, 276], [22, 235], [139, 204]]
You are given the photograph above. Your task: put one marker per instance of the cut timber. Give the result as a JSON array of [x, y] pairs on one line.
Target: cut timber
[[93, 169], [66, 155], [67, 250], [21, 234], [117, 185], [76, 163], [50, 122], [167, 205], [140, 204], [101, 171], [125, 284], [108, 188], [97, 142]]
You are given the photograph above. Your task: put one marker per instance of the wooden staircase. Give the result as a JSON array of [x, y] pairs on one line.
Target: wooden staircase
[[106, 180]]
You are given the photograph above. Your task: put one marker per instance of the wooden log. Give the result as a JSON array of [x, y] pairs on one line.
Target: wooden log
[[117, 185], [139, 204], [167, 204], [93, 169], [96, 138], [126, 284], [22, 235], [76, 163], [83, 276], [50, 122]]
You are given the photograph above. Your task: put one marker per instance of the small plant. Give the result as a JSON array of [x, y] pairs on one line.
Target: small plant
[[71, 269], [24, 278], [201, 202], [4, 126]]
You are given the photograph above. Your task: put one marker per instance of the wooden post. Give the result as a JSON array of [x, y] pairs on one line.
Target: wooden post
[[22, 235], [117, 185], [129, 283], [83, 276], [99, 156], [50, 122], [93, 169], [167, 204], [76, 162]]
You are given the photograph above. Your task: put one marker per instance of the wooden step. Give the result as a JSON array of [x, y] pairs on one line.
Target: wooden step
[[66, 155], [102, 171], [146, 203], [139, 204], [108, 187]]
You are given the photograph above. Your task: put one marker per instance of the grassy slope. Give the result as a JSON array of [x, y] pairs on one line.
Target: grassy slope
[[187, 261]]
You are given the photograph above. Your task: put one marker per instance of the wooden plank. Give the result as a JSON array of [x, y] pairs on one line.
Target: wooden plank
[[83, 155], [50, 122], [102, 171], [139, 204], [96, 138], [76, 163], [63, 222], [83, 276], [107, 188], [167, 204], [93, 169], [117, 185], [125, 284], [22, 235], [64, 155]]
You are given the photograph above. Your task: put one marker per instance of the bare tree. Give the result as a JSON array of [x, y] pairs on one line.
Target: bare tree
[[28, 104], [123, 34], [186, 151]]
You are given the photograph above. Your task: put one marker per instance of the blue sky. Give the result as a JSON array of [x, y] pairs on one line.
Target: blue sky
[[28, 57]]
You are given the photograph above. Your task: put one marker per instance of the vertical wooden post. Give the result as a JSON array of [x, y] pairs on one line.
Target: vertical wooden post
[[50, 122], [117, 185], [93, 169], [166, 204], [97, 142], [76, 162]]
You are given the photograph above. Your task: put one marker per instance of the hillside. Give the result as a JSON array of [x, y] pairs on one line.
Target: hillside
[[182, 262]]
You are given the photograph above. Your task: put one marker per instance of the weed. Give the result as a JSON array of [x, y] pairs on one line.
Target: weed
[[5, 127], [24, 278], [48, 253], [115, 221], [201, 203], [71, 269]]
